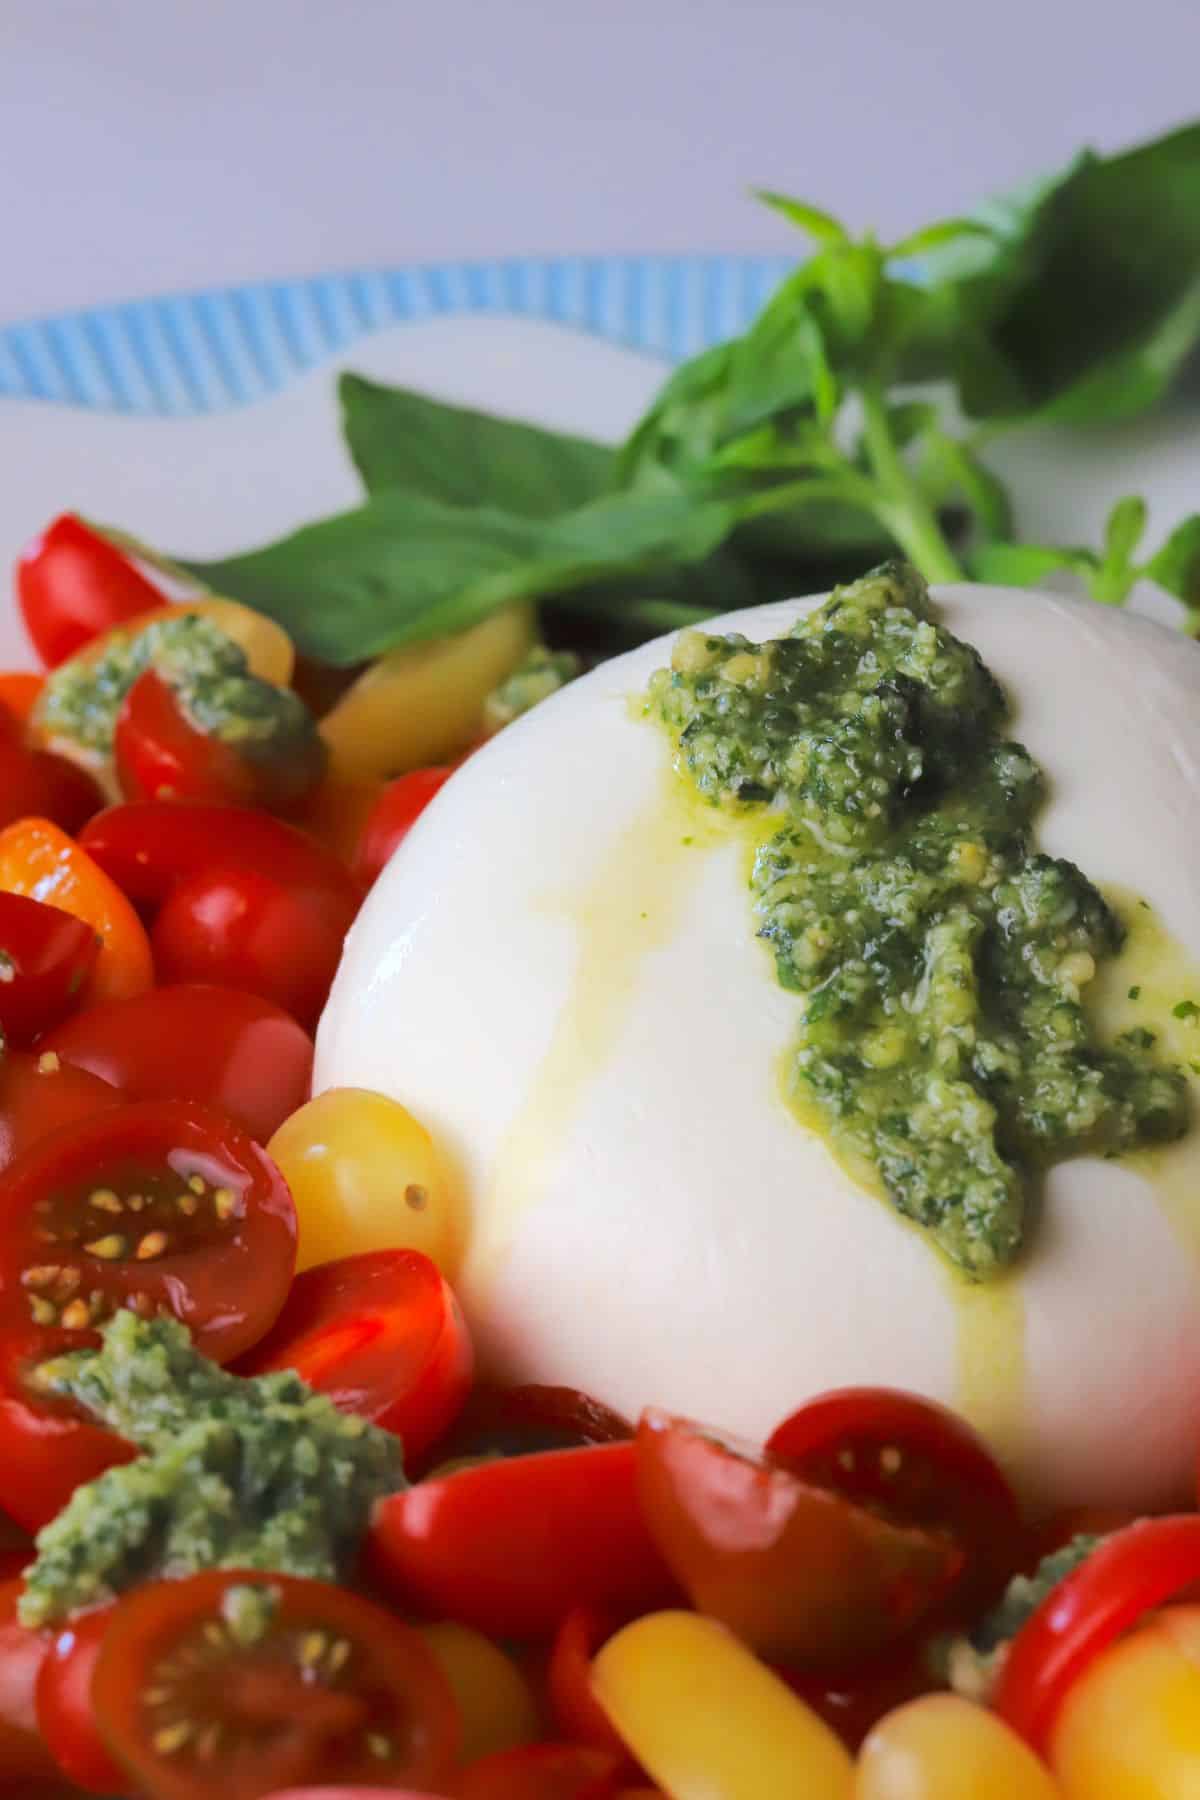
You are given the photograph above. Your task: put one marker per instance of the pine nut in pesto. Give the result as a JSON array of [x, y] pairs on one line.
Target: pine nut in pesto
[[942, 958]]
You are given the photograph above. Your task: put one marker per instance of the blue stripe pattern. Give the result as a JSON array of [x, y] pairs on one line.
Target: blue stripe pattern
[[227, 347]]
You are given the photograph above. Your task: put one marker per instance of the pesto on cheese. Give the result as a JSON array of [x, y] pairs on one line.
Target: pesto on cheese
[[943, 959], [237, 1473]]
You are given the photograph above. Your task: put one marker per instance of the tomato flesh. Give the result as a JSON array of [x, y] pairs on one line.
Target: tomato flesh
[[154, 1205], [39, 1095], [801, 1574], [383, 1335], [1130, 1573], [65, 1715], [499, 1421], [333, 1688], [48, 1445], [227, 1049], [918, 1462], [39, 784], [511, 1546], [72, 585], [23, 1755], [543, 1772], [46, 956]]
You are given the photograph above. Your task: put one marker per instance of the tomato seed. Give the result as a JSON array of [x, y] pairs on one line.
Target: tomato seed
[[106, 1201], [152, 1245], [77, 1316], [172, 1738], [111, 1248]]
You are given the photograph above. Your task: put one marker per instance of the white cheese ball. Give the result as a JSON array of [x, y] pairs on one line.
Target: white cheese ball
[[574, 1000]]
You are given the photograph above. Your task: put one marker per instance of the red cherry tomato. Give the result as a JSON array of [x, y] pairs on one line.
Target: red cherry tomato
[[510, 1547], [158, 1204], [249, 931], [148, 847], [37, 784], [1129, 1574], [383, 1336], [393, 816], [39, 1095], [48, 1446], [46, 955], [16, 1547], [63, 1698], [801, 1574], [226, 1048], [72, 585], [578, 1715], [920, 1463], [24, 1758], [853, 1704], [380, 1710], [519, 1421], [542, 1772], [161, 755]]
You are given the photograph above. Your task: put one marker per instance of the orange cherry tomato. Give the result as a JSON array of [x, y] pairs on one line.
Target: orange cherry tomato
[[42, 862], [19, 692]]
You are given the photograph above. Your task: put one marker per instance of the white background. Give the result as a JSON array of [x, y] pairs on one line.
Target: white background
[[155, 144]]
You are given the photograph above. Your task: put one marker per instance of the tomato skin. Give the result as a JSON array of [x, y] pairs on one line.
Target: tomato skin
[[577, 1713], [524, 1420], [286, 1719], [923, 1465], [23, 1755], [221, 1046], [20, 690], [511, 1546], [161, 755], [383, 1335], [854, 1703], [801, 1575], [50, 956], [239, 929], [542, 1772], [39, 784], [222, 1268], [1130, 1573], [63, 1697], [39, 1096], [41, 861], [48, 1446], [72, 585], [393, 816]]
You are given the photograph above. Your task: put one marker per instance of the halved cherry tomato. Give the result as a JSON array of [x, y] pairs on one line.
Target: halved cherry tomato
[[20, 690], [245, 930], [161, 755], [333, 1689], [48, 1446], [72, 585], [577, 1713], [221, 1046], [39, 1094], [520, 1421], [41, 784], [393, 816], [543, 1772], [1129, 1574], [510, 1547], [42, 862], [24, 1757], [854, 1703], [921, 1464], [383, 1336], [155, 1204], [46, 956], [63, 1697], [801, 1574]]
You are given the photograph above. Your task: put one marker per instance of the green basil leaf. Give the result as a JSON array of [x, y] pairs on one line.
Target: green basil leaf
[[402, 439], [682, 427], [939, 236], [952, 469], [821, 226], [1176, 565], [1024, 565], [1124, 529], [402, 568]]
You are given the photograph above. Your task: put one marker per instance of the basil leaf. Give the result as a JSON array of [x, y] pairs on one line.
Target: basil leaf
[[402, 439], [819, 225], [1088, 310], [952, 468], [1176, 565], [683, 426], [403, 568], [1024, 565]]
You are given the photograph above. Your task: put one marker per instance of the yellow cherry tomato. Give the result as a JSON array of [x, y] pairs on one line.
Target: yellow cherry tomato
[[424, 703], [709, 1721], [495, 1702], [1129, 1729], [944, 1748], [366, 1175]]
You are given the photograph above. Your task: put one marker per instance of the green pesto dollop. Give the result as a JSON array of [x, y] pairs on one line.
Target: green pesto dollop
[[237, 1473], [942, 957], [541, 674], [971, 1663], [207, 672]]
